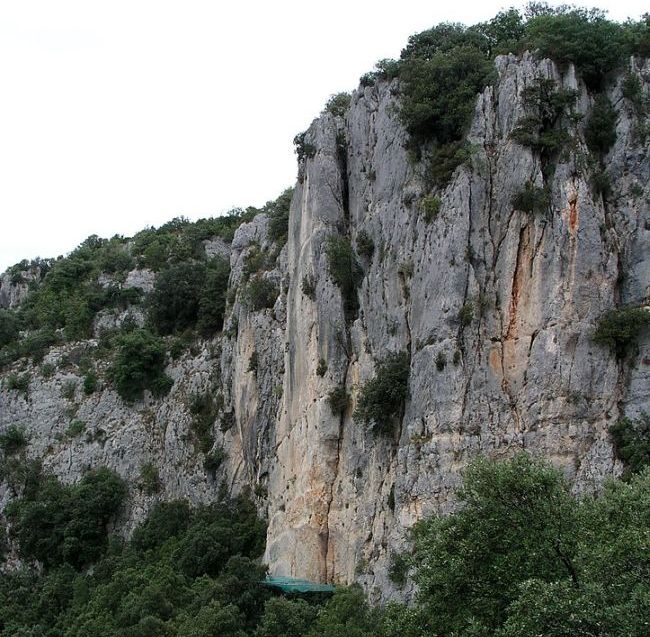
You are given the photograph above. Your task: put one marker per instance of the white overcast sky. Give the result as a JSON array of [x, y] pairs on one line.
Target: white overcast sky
[[115, 115]]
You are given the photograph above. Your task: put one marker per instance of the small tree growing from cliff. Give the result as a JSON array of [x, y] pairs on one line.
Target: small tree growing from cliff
[[382, 398], [346, 272], [338, 400], [620, 329]]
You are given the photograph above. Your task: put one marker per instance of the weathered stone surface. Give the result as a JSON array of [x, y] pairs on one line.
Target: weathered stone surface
[[216, 247], [13, 290], [528, 375], [523, 374]]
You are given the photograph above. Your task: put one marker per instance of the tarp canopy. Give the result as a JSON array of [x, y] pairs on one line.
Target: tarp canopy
[[292, 585]]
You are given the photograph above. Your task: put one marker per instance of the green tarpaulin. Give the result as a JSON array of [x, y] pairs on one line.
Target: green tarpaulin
[[292, 585]]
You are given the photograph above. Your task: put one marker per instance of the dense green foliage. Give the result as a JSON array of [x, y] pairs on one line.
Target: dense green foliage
[[442, 69], [620, 329], [13, 439], [70, 296], [278, 212], [304, 149], [181, 240], [214, 459], [260, 293], [186, 572], [532, 199], [632, 443], [430, 207], [9, 327], [346, 272], [382, 398], [584, 37], [638, 102], [543, 128], [139, 365], [338, 400], [515, 525], [441, 80], [600, 133], [520, 557], [90, 383], [338, 104], [365, 244], [256, 261], [174, 301], [58, 524], [75, 428], [18, 382], [188, 295], [149, 480], [204, 412]]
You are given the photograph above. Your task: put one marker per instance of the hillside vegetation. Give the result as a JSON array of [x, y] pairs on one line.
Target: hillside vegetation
[[188, 300], [521, 557]]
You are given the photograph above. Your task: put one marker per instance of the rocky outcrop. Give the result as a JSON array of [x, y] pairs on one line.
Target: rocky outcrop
[[522, 373], [15, 287]]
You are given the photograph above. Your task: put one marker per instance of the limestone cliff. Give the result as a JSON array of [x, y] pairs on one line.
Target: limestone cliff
[[522, 373]]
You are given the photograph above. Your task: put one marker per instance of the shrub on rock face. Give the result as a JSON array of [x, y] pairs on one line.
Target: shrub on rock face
[[188, 295], [531, 199], [13, 439], [308, 287], [600, 133], [632, 442], [382, 398], [430, 207], [18, 382], [278, 212], [149, 478], [620, 329], [345, 272], [204, 412], [214, 459], [212, 302], [338, 104], [140, 365], [174, 301], [338, 400], [583, 37], [9, 326], [365, 244], [261, 293], [543, 129]]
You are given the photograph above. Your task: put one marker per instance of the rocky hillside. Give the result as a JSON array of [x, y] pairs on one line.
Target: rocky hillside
[[396, 330]]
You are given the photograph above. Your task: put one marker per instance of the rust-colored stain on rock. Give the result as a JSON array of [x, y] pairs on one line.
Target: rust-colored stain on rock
[[573, 212], [494, 360]]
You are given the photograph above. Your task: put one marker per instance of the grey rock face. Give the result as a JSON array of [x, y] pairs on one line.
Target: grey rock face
[[13, 290], [523, 373]]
